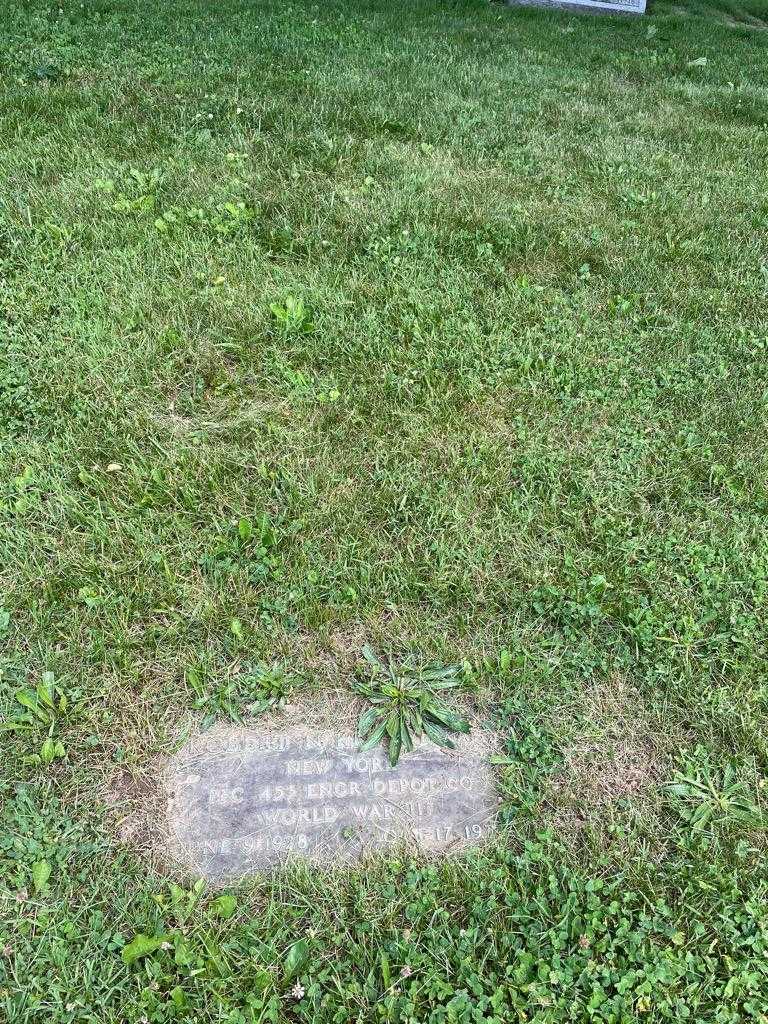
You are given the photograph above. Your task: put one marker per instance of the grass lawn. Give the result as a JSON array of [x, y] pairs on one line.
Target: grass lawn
[[436, 326]]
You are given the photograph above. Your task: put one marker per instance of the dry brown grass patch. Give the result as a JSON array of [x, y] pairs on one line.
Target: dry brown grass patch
[[612, 752]]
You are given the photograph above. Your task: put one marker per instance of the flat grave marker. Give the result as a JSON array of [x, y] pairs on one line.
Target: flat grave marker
[[587, 6], [241, 800]]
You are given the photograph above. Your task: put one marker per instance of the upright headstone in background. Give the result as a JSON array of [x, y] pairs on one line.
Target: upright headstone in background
[[240, 800], [587, 6]]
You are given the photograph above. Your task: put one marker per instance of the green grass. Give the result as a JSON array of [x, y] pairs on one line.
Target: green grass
[[462, 310]]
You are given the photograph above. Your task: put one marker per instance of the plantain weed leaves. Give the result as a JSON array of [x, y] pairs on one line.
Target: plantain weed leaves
[[295, 959], [405, 704], [42, 711], [705, 798]]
